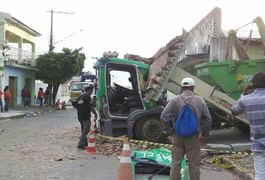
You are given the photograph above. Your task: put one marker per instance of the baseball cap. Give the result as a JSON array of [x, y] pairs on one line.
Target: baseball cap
[[186, 82]]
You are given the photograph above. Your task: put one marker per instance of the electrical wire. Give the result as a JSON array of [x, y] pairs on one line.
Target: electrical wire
[[68, 36]]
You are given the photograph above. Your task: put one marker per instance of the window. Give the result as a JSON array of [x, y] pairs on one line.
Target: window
[[121, 78]]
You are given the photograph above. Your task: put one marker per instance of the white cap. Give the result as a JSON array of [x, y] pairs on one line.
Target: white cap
[[187, 82]]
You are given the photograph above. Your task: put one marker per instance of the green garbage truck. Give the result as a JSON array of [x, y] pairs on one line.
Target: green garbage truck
[[132, 91]]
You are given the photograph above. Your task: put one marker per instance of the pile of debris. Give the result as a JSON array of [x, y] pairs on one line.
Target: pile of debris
[[110, 54], [243, 163], [113, 146]]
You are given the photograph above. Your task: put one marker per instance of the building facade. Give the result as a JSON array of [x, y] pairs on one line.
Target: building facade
[[17, 58]]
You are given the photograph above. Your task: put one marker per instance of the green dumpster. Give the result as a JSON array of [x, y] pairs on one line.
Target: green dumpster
[[230, 76]]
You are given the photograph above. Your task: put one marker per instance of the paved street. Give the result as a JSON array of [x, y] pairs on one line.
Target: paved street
[[43, 146]]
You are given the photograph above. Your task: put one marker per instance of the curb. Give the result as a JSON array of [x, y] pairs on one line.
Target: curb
[[14, 116], [17, 116], [20, 114]]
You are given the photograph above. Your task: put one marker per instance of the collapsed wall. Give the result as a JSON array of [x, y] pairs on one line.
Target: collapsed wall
[[188, 49]]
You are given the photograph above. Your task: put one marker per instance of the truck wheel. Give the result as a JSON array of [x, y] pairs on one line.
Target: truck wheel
[[244, 128], [149, 129], [216, 120]]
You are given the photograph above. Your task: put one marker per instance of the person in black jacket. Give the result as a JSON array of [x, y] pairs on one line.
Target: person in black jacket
[[84, 108]]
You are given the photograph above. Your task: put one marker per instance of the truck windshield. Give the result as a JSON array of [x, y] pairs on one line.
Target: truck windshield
[[78, 87]]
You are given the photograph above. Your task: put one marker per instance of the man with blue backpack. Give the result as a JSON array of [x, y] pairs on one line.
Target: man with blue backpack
[[187, 119]]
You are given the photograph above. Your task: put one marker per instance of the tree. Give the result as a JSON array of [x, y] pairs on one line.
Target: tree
[[57, 68]]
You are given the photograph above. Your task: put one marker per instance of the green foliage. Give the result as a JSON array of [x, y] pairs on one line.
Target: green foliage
[[57, 68]]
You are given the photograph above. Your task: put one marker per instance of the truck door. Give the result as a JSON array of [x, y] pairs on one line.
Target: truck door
[[122, 82]]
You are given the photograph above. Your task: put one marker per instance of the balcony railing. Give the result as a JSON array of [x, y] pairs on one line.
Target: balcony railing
[[18, 56]]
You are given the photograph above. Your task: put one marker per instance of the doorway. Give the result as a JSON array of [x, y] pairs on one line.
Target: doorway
[[13, 90]]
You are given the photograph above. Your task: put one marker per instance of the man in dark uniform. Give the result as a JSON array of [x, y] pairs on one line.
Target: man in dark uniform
[[84, 108]]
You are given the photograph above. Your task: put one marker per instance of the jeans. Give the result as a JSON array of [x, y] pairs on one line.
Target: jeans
[[85, 128], [259, 165], [41, 101]]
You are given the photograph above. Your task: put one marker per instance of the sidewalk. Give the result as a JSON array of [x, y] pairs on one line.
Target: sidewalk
[[19, 112]]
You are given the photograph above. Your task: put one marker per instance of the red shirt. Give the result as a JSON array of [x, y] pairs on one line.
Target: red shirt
[[25, 93], [7, 95], [1, 92], [41, 94]]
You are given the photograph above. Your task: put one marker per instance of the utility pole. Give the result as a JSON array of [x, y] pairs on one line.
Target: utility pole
[[51, 47], [53, 88]]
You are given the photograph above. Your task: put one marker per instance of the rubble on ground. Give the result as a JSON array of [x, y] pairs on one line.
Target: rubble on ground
[[114, 147], [243, 163]]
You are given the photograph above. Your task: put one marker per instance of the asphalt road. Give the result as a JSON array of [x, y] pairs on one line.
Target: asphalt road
[[43, 147]]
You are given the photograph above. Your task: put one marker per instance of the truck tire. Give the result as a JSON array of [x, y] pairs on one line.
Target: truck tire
[[244, 128], [149, 129], [217, 119]]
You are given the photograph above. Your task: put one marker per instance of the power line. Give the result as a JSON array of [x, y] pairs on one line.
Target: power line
[[68, 36], [45, 51]]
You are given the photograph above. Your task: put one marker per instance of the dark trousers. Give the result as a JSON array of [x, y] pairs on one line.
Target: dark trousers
[[85, 128], [46, 99], [6, 105], [1, 105], [25, 101]]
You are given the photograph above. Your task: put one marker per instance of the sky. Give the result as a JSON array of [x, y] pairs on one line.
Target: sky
[[126, 26]]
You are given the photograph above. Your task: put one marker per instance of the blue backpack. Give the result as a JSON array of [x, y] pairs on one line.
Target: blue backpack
[[186, 122]]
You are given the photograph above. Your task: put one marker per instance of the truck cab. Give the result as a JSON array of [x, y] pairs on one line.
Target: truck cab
[[120, 97]]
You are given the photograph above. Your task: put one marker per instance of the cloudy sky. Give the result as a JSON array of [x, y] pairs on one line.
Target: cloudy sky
[[126, 26]]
